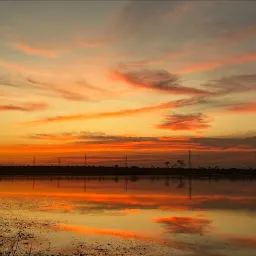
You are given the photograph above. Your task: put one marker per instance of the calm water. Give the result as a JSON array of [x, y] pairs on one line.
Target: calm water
[[127, 217]]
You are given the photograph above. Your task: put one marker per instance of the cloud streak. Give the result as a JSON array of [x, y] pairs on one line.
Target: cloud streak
[[187, 122], [64, 93], [120, 113], [46, 88], [29, 107], [246, 108], [32, 50], [213, 64], [159, 80]]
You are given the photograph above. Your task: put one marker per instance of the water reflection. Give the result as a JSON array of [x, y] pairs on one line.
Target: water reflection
[[127, 216]]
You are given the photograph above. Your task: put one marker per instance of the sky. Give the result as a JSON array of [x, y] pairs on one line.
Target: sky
[[146, 79]]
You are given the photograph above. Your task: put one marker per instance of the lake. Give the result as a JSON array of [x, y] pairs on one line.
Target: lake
[[127, 216]]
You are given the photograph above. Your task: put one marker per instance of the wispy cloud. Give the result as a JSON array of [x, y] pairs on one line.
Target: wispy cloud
[[243, 108], [185, 122], [102, 141], [216, 63], [96, 138], [160, 80], [77, 92], [33, 50], [141, 63], [226, 142], [220, 90], [120, 113], [11, 66], [64, 93], [232, 84], [28, 107]]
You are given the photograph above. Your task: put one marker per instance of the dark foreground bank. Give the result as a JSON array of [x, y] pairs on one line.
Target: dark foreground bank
[[128, 171]]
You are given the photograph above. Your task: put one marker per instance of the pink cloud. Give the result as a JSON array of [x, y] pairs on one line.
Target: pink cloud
[[213, 64], [33, 50]]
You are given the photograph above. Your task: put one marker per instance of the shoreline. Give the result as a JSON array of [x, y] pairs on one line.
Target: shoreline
[[93, 171]]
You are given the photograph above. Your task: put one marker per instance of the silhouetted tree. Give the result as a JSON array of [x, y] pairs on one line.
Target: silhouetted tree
[[180, 163], [167, 164]]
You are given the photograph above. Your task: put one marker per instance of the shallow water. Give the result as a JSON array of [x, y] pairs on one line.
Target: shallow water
[[117, 216]]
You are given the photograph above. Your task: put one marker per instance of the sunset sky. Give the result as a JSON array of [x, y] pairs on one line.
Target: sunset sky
[[150, 79]]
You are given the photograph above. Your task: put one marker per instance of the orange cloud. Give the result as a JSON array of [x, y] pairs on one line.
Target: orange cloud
[[120, 113], [185, 122], [198, 144], [213, 64], [243, 108], [26, 107], [32, 50]]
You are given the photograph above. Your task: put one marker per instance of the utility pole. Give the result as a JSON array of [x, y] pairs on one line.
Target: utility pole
[[126, 161], [85, 160], [34, 161], [59, 160], [189, 159]]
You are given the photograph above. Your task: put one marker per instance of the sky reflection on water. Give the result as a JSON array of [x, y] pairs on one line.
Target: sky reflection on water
[[140, 217]]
